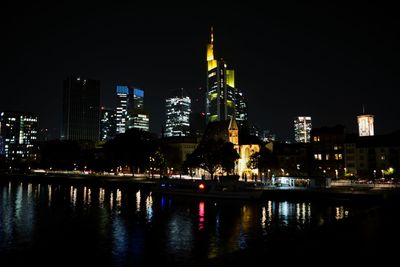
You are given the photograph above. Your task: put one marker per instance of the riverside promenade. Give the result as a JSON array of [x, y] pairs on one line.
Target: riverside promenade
[[335, 192]]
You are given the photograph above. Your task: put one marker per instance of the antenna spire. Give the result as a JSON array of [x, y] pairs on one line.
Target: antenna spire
[[212, 35]]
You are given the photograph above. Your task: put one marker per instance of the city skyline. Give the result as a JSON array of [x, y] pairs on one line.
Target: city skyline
[[326, 61]]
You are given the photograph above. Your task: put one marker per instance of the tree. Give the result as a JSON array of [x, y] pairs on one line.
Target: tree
[[228, 157], [191, 162], [212, 154], [157, 161], [262, 160], [132, 148]]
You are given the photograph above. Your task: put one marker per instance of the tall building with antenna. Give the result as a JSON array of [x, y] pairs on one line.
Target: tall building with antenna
[[365, 124], [220, 87]]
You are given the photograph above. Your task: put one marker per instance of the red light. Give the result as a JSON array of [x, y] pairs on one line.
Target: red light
[[202, 186]]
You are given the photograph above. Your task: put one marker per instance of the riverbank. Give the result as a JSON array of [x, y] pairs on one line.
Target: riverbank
[[81, 179], [341, 193]]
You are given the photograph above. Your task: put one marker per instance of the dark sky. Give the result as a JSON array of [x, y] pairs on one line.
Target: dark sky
[[323, 60]]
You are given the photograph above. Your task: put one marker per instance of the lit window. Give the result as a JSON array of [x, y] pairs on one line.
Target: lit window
[[318, 156], [338, 156]]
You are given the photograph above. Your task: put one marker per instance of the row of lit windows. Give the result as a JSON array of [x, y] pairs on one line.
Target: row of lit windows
[[328, 157]]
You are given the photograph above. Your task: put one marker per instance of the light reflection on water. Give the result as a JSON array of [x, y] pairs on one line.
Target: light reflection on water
[[125, 226]]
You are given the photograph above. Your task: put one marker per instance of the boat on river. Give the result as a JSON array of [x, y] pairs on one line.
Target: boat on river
[[207, 189]]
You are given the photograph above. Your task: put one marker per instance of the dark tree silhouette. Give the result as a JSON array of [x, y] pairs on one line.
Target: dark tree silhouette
[[212, 154], [228, 157], [263, 160], [132, 148]]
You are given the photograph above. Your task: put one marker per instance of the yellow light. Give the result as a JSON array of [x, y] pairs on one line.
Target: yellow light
[[230, 78], [213, 96], [213, 118], [212, 64]]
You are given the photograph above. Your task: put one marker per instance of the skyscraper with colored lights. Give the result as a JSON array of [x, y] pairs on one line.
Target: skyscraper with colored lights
[[220, 87], [130, 110]]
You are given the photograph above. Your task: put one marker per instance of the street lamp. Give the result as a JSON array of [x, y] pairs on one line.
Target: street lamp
[[374, 174], [383, 173]]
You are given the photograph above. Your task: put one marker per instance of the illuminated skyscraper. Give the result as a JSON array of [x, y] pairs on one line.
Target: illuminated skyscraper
[[18, 134], [302, 129], [130, 109], [107, 124], [81, 109], [365, 125], [220, 87], [121, 114], [178, 110]]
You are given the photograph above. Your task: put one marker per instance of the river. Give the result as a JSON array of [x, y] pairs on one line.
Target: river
[[53, 224]]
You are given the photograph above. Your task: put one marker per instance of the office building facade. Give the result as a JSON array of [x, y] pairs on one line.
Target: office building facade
[[81, 109], [18, 135], [178, 110], [108, 125], [302, 129], [130, 111]]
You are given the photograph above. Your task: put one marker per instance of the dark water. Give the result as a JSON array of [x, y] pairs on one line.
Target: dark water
[[76, 225]]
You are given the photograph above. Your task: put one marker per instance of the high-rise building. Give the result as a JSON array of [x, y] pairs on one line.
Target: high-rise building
[[121, 113], [365, 125], [178, 110], [220, 87], [240, 108], [81, 109], [130, 109], [18, 134], [198, 111], [107, 124], [302, 129]]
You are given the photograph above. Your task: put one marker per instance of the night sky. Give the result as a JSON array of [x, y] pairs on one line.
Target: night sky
[[323, 60]]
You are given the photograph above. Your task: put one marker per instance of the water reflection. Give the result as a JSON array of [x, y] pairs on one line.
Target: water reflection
[[201, 216], [125, 226]]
